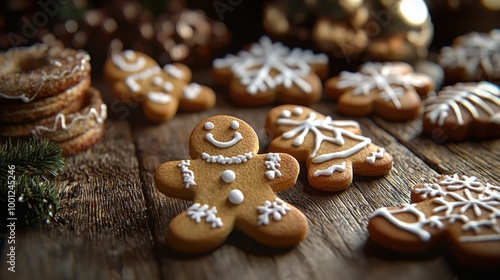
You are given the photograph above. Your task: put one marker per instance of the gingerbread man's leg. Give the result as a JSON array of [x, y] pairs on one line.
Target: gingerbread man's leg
[[199, 229], [339, 173], [275, 224]]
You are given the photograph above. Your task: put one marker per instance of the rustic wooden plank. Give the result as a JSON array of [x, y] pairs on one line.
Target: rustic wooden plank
[[101, 229], [481, 158]]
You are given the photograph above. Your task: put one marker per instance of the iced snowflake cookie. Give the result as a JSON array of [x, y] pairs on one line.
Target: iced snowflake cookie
[[459, 213], [464, 110], [389, 90], [137, 78], [270, 71], [472, 57], [232, 187], [334, 151]]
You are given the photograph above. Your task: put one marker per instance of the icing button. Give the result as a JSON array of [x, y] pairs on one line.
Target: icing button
[[228, 176], [236, 197]]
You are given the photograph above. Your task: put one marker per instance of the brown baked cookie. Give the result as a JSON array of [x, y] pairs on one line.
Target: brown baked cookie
[[161, 91], [120, 65], [472, 57], [389, 90], [39, 71], [463, 111], [270, 71], [334, 151], [232, 187], [461, 214]]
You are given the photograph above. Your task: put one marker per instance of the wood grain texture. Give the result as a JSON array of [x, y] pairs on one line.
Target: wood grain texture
[[113, 222]]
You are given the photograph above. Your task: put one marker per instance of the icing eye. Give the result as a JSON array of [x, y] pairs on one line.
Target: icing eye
[[298, 111], [209, 125], [157, 81], [285, 114], [235, 124], [168, 86]]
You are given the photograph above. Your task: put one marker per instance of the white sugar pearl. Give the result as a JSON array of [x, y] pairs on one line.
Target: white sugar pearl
[[228, 176], [235, 124], [209, 125], [298, 111], [236, 197], [285, 114]]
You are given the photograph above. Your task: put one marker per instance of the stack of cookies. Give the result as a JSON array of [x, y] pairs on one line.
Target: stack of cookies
[[46, 92]]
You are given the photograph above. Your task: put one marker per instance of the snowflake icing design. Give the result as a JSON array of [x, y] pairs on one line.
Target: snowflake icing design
[[468, 96], [315, 126], [256, 66], [453, 196], [475, 51], [197, 212], [273, 164], [276, 209], [391, 80]]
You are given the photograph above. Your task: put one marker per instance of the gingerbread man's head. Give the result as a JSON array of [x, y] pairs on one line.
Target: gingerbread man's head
[[224, 136]]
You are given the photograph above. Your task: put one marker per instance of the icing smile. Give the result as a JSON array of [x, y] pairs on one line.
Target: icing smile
[[236, 138]]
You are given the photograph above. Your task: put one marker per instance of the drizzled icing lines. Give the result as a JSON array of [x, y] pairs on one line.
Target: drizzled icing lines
[[187, 174], [468, 96], [452, 197], [314, 125], [391, 80], [254, 67]]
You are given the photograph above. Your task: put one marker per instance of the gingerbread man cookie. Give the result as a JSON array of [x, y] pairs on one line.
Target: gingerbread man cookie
[[389, 90], [232, 187], [333, 150], [270, 71], [135, 77], [464, 110], [460, 213]]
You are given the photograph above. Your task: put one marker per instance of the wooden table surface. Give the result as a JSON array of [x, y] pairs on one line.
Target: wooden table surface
[[112, 221]]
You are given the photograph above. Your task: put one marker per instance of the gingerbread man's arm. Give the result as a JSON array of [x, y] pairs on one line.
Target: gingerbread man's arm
[[282, 170], [176, 179]]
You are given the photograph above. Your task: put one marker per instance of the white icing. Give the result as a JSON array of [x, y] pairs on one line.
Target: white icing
[[173, 71], [159, 97], [254, 67], [473, 52], [468, 96], [191, 91], [236, 197], [61, 118], [197, 212], [157, 81], [375, 155], [167, 86], [285, 114], [228, 176], [235, 124], [227, 160], [298, 111], [209, 126], [236, 138], [125, 62], [187, 175], [276, 209], [132, 80], [312, 124], [452, 197], [391, 80], [273, 164], [84, 64], [330, 170]]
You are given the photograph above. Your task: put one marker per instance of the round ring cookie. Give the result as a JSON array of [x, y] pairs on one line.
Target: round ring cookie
[[39, 71], [460, 214], [463, 111], [389, 90], [232, 187], [472, 57], [41, 108], [270, 71], [333, 150]]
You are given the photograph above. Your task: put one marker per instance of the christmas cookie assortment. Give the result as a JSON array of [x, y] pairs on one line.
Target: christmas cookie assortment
[[460, 213], [390, 90], [270, 71], [162, 91], [464, 111], [334, 150], [46, 92], [472, 57], [232, 187]]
